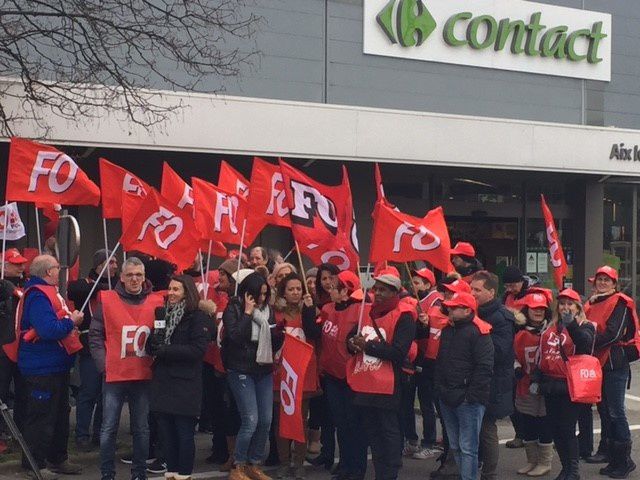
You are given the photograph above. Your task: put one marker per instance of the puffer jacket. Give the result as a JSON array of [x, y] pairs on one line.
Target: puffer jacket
[[464, 364], [502, 334]]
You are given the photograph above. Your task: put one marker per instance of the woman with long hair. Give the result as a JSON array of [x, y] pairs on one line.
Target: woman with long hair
[[176, 385], [250, 340], [574, 334]]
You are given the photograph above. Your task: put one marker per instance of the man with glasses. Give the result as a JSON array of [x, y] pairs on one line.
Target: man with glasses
[[119, 330], [45, 357]]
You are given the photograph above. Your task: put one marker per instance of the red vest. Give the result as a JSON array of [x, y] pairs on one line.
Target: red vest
[[551, 362], [526, 345], [367, 374], [511, 302], [71, 343], [213, 356], [127, 328], [428, 301], [437, 321], [336, 326], [294, 327], [600, 313]]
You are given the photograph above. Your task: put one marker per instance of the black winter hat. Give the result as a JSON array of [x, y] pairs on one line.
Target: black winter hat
[[512, 274]]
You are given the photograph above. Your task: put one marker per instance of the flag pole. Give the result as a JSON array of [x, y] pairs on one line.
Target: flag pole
[[206, 277], [302, 272], [201, 268], [38, 229], [95, 284], [364, 298], [288, 254], [4, 234], [106, 245], [244, 227], [415, 290]]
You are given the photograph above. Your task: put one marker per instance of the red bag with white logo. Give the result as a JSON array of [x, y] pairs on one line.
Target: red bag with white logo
[[584, 377], [41, 173], [114, 181], [160, 229], [295, 359]]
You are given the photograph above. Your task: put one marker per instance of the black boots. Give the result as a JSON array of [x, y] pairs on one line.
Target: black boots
[[621, 464], [602, 454]]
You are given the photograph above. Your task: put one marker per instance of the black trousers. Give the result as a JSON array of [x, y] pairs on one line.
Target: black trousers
[[178, 432], [563, 416], [9, 373], [46, 421], [585, 426], [536, 429], [382, 427]]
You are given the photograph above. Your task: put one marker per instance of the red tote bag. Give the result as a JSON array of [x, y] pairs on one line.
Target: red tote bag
[[584, 378]]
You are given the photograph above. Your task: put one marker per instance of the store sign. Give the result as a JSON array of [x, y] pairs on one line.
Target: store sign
[[500, 34], [620, 152]]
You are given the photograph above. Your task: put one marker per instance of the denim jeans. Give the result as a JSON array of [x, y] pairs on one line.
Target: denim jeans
[[254, 397], [113, 397], [463, 428], [178, 432], [346, 417], [614, 386], [89, 398]]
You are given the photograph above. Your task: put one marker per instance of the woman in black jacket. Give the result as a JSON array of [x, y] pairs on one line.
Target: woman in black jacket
[[176, 385], [250, 339], [571, 331]]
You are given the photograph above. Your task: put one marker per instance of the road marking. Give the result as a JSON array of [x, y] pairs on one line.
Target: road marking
[[632, 397], [596, 431]]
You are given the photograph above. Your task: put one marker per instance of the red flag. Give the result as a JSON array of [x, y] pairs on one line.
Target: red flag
[[296, 356], [399, 237], [319, 218], [51, 212], [351, 229], [556, 253], [219, 215], [175, 189], [381, 197], [115, 180], [232, 181], [160, 229], [41, 173], [267, 199]]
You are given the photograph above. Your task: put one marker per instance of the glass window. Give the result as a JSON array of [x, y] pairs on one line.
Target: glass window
[[618, 211]]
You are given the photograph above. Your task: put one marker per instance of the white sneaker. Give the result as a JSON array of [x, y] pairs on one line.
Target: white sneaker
[[410, 449], [426, 453]]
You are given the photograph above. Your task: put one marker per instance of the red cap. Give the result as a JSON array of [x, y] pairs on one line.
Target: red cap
[[610, 272], [535, 300], [463, 248], [388, 271], [462, 299], [426, 274], [352, 282], [459, 286], [570, 294], [12, 255]]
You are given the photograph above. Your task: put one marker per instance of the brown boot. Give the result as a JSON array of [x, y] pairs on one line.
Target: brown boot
[[239, 472], [231, 447], [255, 472], [314, 442]]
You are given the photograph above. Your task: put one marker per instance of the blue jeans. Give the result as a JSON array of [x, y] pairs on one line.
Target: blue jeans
[[254, 397], [463, 428], [89, 398], [177, 433], [113, 397], [614, 386], [346, 417]]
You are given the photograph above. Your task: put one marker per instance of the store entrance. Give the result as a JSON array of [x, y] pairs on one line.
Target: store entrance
[[495, 239]]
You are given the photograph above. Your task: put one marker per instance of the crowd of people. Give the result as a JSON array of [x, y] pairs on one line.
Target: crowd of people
[[200, 351]]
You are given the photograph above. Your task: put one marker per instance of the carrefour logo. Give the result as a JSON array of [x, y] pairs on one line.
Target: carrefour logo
[[503, 34]]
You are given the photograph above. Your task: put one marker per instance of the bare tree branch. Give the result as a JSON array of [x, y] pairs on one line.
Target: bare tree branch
[[77, 57]]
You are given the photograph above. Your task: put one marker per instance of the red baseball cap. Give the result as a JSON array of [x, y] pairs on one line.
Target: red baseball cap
[[535, 300], [352, 282], [388, 271], [426, 274], [463, 248], [459, 286], [12, 255], [570, 294], [462, 299], [610, 272]]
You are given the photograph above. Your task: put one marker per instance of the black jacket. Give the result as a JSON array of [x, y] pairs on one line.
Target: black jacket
[[582, 337], [464, 365], [238, 351], [395, 352], [8, 305], [502, 333], [620, 327], [176, 385]]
